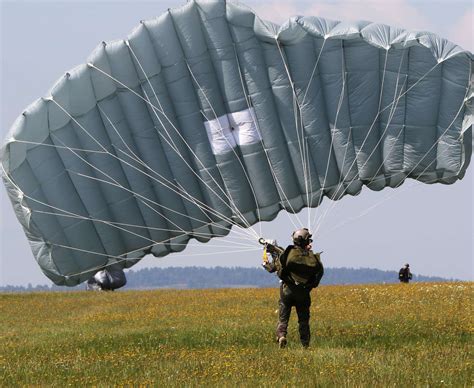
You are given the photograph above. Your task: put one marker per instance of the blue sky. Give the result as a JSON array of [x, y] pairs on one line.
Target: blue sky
[[428, 226]]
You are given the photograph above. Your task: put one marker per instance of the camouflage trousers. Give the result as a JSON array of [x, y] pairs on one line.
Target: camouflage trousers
[[301, 299]]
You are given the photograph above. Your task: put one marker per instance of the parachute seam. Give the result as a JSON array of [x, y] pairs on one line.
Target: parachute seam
[[85, 208], [245, 89], [351, 132], [248, 102], [331, 158], [162, 152], [29, 227], [118, 103], [198, 192], [215, 164], [383, 85], [404, 172], [274, 108], [278, 113], [439, 136], [235, 211], [60, 227], [195, 83], [205, 192], [236, 150], [119, 106], [81, 199], [296, 112]]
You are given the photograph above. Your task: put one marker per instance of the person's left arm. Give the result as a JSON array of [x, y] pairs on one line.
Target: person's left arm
[[274, 265]]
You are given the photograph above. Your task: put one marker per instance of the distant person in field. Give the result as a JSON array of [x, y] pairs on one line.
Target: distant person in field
[[404, 275], [300, 270]]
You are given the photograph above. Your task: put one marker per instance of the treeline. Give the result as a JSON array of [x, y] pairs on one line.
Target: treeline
[[222, 277]]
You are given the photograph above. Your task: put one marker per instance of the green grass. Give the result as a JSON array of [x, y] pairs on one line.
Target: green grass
[[392, 335]]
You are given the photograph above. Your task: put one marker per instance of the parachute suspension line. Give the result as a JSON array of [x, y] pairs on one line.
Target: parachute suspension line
[[296, 110], [225, 252], [182, 138], [439, 138], [392, 106], [404, 93], [311, 188], [153, 202], [125, 162], [392, 112], [310, 205], [174, 147], [51, 98], [341, 179], [77, 216], [118, 225], [354, 162], [390, 117], [388, 197], [257, 126], [114, 182], [435, 144], [170, 184], [59, 147], [121, 259], [117, 184], [367, 210], [73, 215], [235, 208], [313, 73], [251, 186], [333, 132], [201, 206], [232, 148], [162, 206]]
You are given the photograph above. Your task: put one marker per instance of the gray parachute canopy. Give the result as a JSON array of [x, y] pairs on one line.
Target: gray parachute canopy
[[207, 116]]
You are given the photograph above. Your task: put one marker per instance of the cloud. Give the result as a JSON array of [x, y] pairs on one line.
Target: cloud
[[406, 14], [462, 32], [276, 11], [395, 12]]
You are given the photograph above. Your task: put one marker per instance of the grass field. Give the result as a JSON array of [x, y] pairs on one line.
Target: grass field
[[404, 335]]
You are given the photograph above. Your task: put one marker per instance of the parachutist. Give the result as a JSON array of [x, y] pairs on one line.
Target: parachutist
[[300, 270], [404, 275]]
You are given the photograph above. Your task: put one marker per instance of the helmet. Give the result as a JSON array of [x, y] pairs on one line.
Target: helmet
[[301, 237]]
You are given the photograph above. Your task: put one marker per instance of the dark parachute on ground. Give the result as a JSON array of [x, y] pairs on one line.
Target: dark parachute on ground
[[208, 117]]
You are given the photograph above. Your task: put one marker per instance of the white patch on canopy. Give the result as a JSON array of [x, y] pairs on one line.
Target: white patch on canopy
[[228, 131]]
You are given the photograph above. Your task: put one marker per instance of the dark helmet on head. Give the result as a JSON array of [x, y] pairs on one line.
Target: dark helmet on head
[[302, 237]]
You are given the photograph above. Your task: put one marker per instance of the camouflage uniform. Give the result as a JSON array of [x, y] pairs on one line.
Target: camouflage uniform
[[300, 271]]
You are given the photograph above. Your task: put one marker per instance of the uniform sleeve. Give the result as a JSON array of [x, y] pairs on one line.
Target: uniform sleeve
[[270, 267], [276, 252]]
